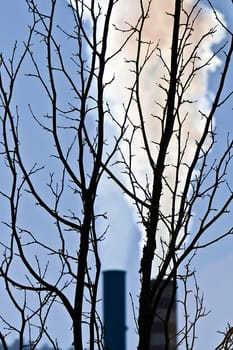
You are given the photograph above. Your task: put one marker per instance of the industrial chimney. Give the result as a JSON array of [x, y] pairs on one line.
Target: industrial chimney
[[160, 322], [114, 310]]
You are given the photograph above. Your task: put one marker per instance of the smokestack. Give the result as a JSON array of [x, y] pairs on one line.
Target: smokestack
[[114, 310], [162, 327]]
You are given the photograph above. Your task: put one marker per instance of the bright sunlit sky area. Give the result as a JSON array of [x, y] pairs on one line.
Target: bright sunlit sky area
[[213, 265]]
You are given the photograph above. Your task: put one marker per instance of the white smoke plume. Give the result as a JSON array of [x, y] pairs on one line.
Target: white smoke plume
[[157, 31]]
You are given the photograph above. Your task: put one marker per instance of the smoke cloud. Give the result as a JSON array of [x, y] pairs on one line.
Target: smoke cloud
[[157, 36], [157, 31]]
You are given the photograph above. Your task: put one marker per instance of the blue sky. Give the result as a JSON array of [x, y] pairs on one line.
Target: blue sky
[[213, 265]]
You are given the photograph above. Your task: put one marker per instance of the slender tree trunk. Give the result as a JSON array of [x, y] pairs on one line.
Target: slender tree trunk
[[146, 297]]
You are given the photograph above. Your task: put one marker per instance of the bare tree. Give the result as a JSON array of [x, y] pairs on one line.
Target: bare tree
[[111, 106]]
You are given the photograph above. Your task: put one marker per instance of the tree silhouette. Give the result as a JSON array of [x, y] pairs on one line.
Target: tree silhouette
[[97, 102]]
